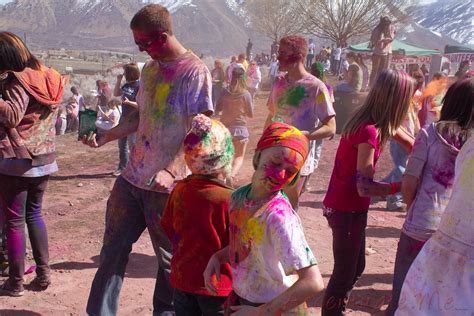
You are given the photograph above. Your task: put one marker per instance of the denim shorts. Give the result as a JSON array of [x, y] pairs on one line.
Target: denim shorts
[[240, 133]]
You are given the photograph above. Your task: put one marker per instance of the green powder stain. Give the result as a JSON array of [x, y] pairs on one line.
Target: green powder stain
[[206, 139], [294, 96]]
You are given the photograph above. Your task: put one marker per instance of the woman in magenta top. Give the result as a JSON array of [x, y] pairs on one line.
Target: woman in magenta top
[[348, 196]]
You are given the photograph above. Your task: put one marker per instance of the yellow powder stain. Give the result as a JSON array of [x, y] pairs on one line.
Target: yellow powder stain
[[253, 231], [161, 96], [149, 77], [291, 132], [320, 98]]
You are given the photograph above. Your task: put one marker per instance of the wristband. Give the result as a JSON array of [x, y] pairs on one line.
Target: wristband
[[394, 188]]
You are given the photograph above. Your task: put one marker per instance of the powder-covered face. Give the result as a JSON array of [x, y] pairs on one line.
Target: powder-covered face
[[151, 43], [287, 57], [277, 167]]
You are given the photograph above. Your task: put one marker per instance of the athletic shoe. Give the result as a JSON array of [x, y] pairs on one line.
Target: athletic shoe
[[10, 290]]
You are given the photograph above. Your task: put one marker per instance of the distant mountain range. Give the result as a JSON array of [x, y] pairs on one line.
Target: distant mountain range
[[451, 18], [211, 27], [206, 26]]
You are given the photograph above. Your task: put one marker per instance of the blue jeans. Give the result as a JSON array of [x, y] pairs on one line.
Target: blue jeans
[[129, 211], [399, 158], [216, 93], [408, 249], [187, 304], [21, 199], [124, 145]]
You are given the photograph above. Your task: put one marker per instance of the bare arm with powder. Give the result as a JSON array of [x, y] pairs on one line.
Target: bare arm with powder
[[409, 189], [310, 283], [325, 130], [366, 185], [214, 267]]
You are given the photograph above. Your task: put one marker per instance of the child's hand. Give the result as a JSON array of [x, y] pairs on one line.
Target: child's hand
[[92, 141], [213, 267], [126, 101], [244, 310]]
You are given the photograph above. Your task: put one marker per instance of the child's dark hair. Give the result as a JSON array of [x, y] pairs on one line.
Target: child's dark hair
[[458, 103]]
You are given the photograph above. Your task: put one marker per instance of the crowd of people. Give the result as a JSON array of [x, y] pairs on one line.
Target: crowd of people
[[242, 251]]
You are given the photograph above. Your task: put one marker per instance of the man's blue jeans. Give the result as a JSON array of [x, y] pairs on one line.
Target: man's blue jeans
[[399, 158], [129, 211]]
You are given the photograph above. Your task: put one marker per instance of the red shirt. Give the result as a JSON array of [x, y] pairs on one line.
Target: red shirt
[[342, 192], [196, 220]]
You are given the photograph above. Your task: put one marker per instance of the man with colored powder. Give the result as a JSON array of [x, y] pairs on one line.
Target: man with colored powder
[[175, 86], [302, 100]]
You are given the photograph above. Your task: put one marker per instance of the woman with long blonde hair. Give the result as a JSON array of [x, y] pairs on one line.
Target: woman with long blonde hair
[[352, 181], [236, 105]]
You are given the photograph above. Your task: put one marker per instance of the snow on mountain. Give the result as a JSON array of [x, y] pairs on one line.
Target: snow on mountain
[[173, 5], [453, 18]]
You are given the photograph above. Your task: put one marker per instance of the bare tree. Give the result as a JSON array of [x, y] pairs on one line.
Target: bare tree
[[274, 18], [339, 20]]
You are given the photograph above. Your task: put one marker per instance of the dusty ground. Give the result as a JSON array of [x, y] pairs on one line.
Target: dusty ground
[[74, 210]]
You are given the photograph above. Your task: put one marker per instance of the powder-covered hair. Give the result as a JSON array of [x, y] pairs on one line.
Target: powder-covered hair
[[14, 55], [297, 43], [317, 70], [152, 18], [386, 105]]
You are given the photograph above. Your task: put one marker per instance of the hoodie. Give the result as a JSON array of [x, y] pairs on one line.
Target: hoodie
[[432, 161], [28, 110]]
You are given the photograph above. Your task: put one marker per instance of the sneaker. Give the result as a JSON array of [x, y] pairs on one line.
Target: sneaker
[[398, 207], [10, 290], [42, 281]]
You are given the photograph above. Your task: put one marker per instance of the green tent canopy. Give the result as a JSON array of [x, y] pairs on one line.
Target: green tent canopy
[[398, 48]]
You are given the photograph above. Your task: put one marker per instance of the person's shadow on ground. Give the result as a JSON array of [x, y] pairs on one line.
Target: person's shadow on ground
[[82, 176], [140, 266], [22, 312]]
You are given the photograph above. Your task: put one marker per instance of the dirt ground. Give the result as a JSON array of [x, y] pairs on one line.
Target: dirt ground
[[74, 210]]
